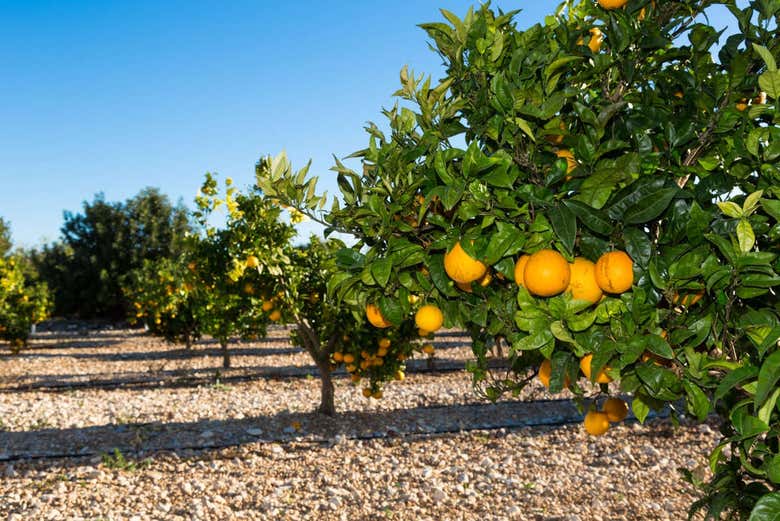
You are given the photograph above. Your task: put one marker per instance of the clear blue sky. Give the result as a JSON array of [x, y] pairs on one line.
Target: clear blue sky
[[113, 97]]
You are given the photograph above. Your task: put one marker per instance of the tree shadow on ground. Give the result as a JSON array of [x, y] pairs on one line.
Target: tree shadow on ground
[[179, 378], [71, 446]]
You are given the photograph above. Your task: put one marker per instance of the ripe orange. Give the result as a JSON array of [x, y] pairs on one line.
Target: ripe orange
[[461, 267], [546, 273], [267, 305], [429, 317], [382, 351], [367, 392], [641, 15], [355, 378], [252, 262], [615, 272], [742, 105], [423, 332], [377, 395], [384, 343], [583, 285], [596, 423], [687, 299], [399, 375], [571, 161], [612, 4], [615, 409], [545, 370], [275, 315], [520, 269], [351, 368], [485, 281], [601, 378], [596, 37], [375, 318], [428, 349], [338, 356], [349, 358], [464, 287]]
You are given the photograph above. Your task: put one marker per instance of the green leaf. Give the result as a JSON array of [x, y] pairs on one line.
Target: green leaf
[[628, 198], [767, 508], [770, 82], [697, 401], [768, 376], [560, 332], [765, 413], [640, 408], [381, 270], [535, 341], [506, 240], [658, 346], [731, 209], [439, 276], [751, 202], [747, 425], [773, 469], [651, 206], [745, 235], [766, 55], [733, 379], [564, 224], [638, 245], [595, 220]]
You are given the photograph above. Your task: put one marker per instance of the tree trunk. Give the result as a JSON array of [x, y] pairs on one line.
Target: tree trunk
[[327, 405], [225, 354], [187, 341]]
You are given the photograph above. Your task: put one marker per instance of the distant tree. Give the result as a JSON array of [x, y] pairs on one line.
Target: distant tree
[[102, 245], [5, 237]]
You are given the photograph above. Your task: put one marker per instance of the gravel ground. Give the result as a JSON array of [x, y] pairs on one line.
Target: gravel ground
[[260, 454]]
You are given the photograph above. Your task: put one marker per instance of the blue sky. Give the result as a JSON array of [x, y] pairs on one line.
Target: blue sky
[[116, 96]]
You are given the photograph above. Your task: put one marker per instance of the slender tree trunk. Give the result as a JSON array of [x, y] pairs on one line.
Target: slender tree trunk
[[187, 341], [327, 404], [225, 354]]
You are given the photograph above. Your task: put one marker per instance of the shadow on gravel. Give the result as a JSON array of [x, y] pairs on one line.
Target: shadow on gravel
[[178, 378], [174, 353], [139, 440]]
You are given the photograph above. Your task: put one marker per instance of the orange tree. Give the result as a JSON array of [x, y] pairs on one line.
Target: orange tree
[[163, 297], [23, 303], [602, 203], [287, 284], [223, 308]]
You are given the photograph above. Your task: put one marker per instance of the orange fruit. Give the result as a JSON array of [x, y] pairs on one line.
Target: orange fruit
[[687, 299], [679, 94], [377, 395], [582, 284], [355, 378], [399, 375], [384, 343], [338, 356], [615, 409], [642, 17], [461, 267], [615, 272], [742, 105], [275, 315], [601, 378], [596, 423], [348, 358], [351, 368], [382, 351], [596, 37], [252, 262], [428, 349], [571, 161], [520, 269], [546, 273], [464, 287], [375, 318], [267, 305], [367, 392], [485, 281], [429, 317], [423, 332], [545, 370], [612, 4]]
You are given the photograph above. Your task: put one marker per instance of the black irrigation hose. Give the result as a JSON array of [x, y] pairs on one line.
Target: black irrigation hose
[[411, 436]]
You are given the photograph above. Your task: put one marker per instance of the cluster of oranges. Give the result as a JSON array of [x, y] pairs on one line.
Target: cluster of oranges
[[613, 410], [360, 364], [268, 305]]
